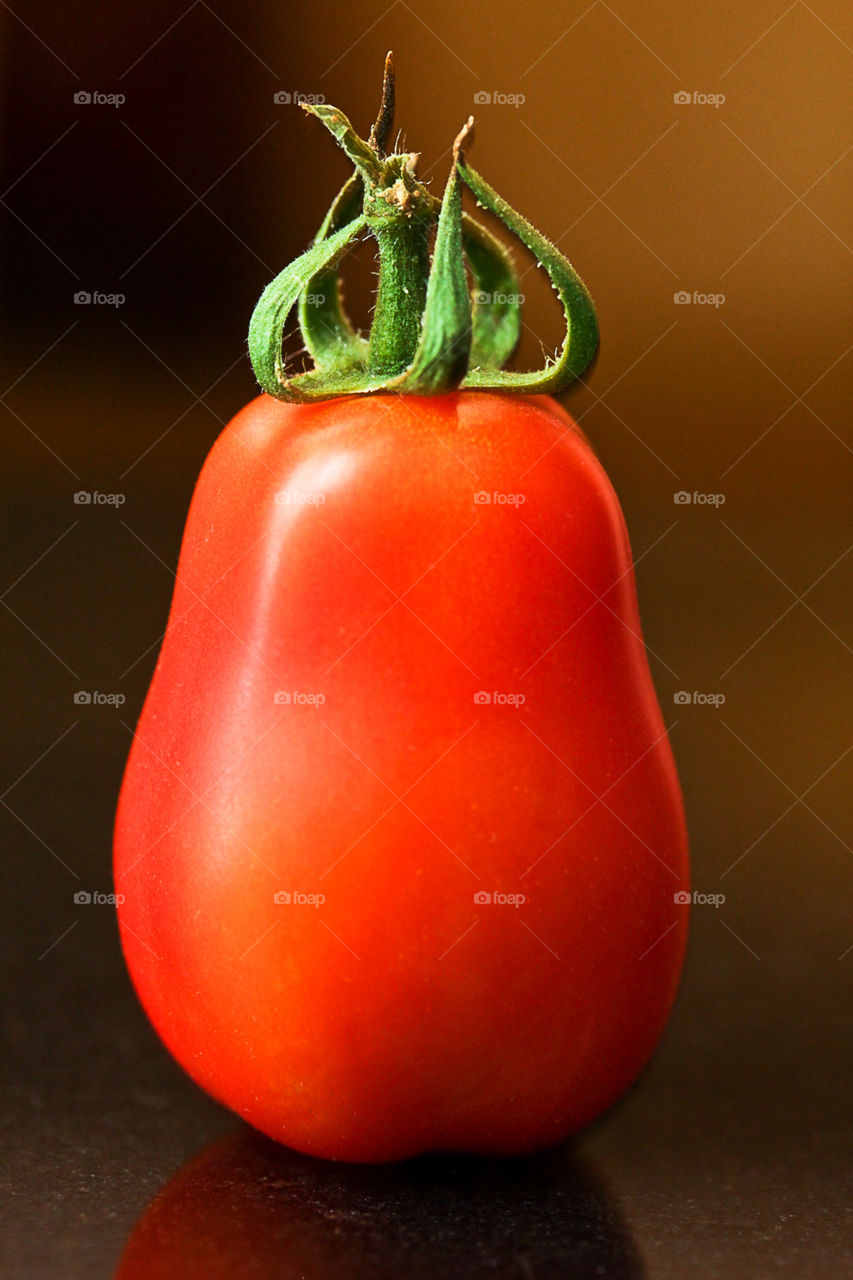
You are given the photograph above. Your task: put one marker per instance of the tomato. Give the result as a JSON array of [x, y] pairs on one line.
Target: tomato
[[400, 837]]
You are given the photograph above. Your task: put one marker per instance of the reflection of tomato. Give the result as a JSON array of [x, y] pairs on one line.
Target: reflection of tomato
[[400, 832], [245, 1207]]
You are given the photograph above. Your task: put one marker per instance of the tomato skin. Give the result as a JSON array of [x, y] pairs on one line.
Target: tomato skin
[[400, 1015]]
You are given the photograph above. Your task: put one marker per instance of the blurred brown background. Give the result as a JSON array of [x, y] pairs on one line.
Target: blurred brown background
[[186, 198]]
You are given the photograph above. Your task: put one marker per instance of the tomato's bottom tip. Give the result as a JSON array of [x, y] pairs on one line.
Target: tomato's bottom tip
[[365, 1155]]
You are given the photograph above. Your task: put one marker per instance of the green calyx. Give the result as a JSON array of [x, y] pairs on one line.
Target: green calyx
[[432, 331]]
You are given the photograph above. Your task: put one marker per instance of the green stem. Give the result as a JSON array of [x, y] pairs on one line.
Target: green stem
[[427, 338], [401, 295]]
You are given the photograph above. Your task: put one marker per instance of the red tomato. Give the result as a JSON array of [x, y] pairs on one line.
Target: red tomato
[[400, 835]]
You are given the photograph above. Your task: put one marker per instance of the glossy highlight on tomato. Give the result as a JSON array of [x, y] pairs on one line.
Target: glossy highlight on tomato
[[400, 837]]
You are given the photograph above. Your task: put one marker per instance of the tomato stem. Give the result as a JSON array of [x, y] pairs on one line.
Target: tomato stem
[[403, 239], [384, 122], [430, 331]]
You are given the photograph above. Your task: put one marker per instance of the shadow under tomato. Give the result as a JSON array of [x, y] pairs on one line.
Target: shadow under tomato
[[247, 1209]]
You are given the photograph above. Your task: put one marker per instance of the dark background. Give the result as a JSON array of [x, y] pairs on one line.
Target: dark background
[[729, 1158]]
